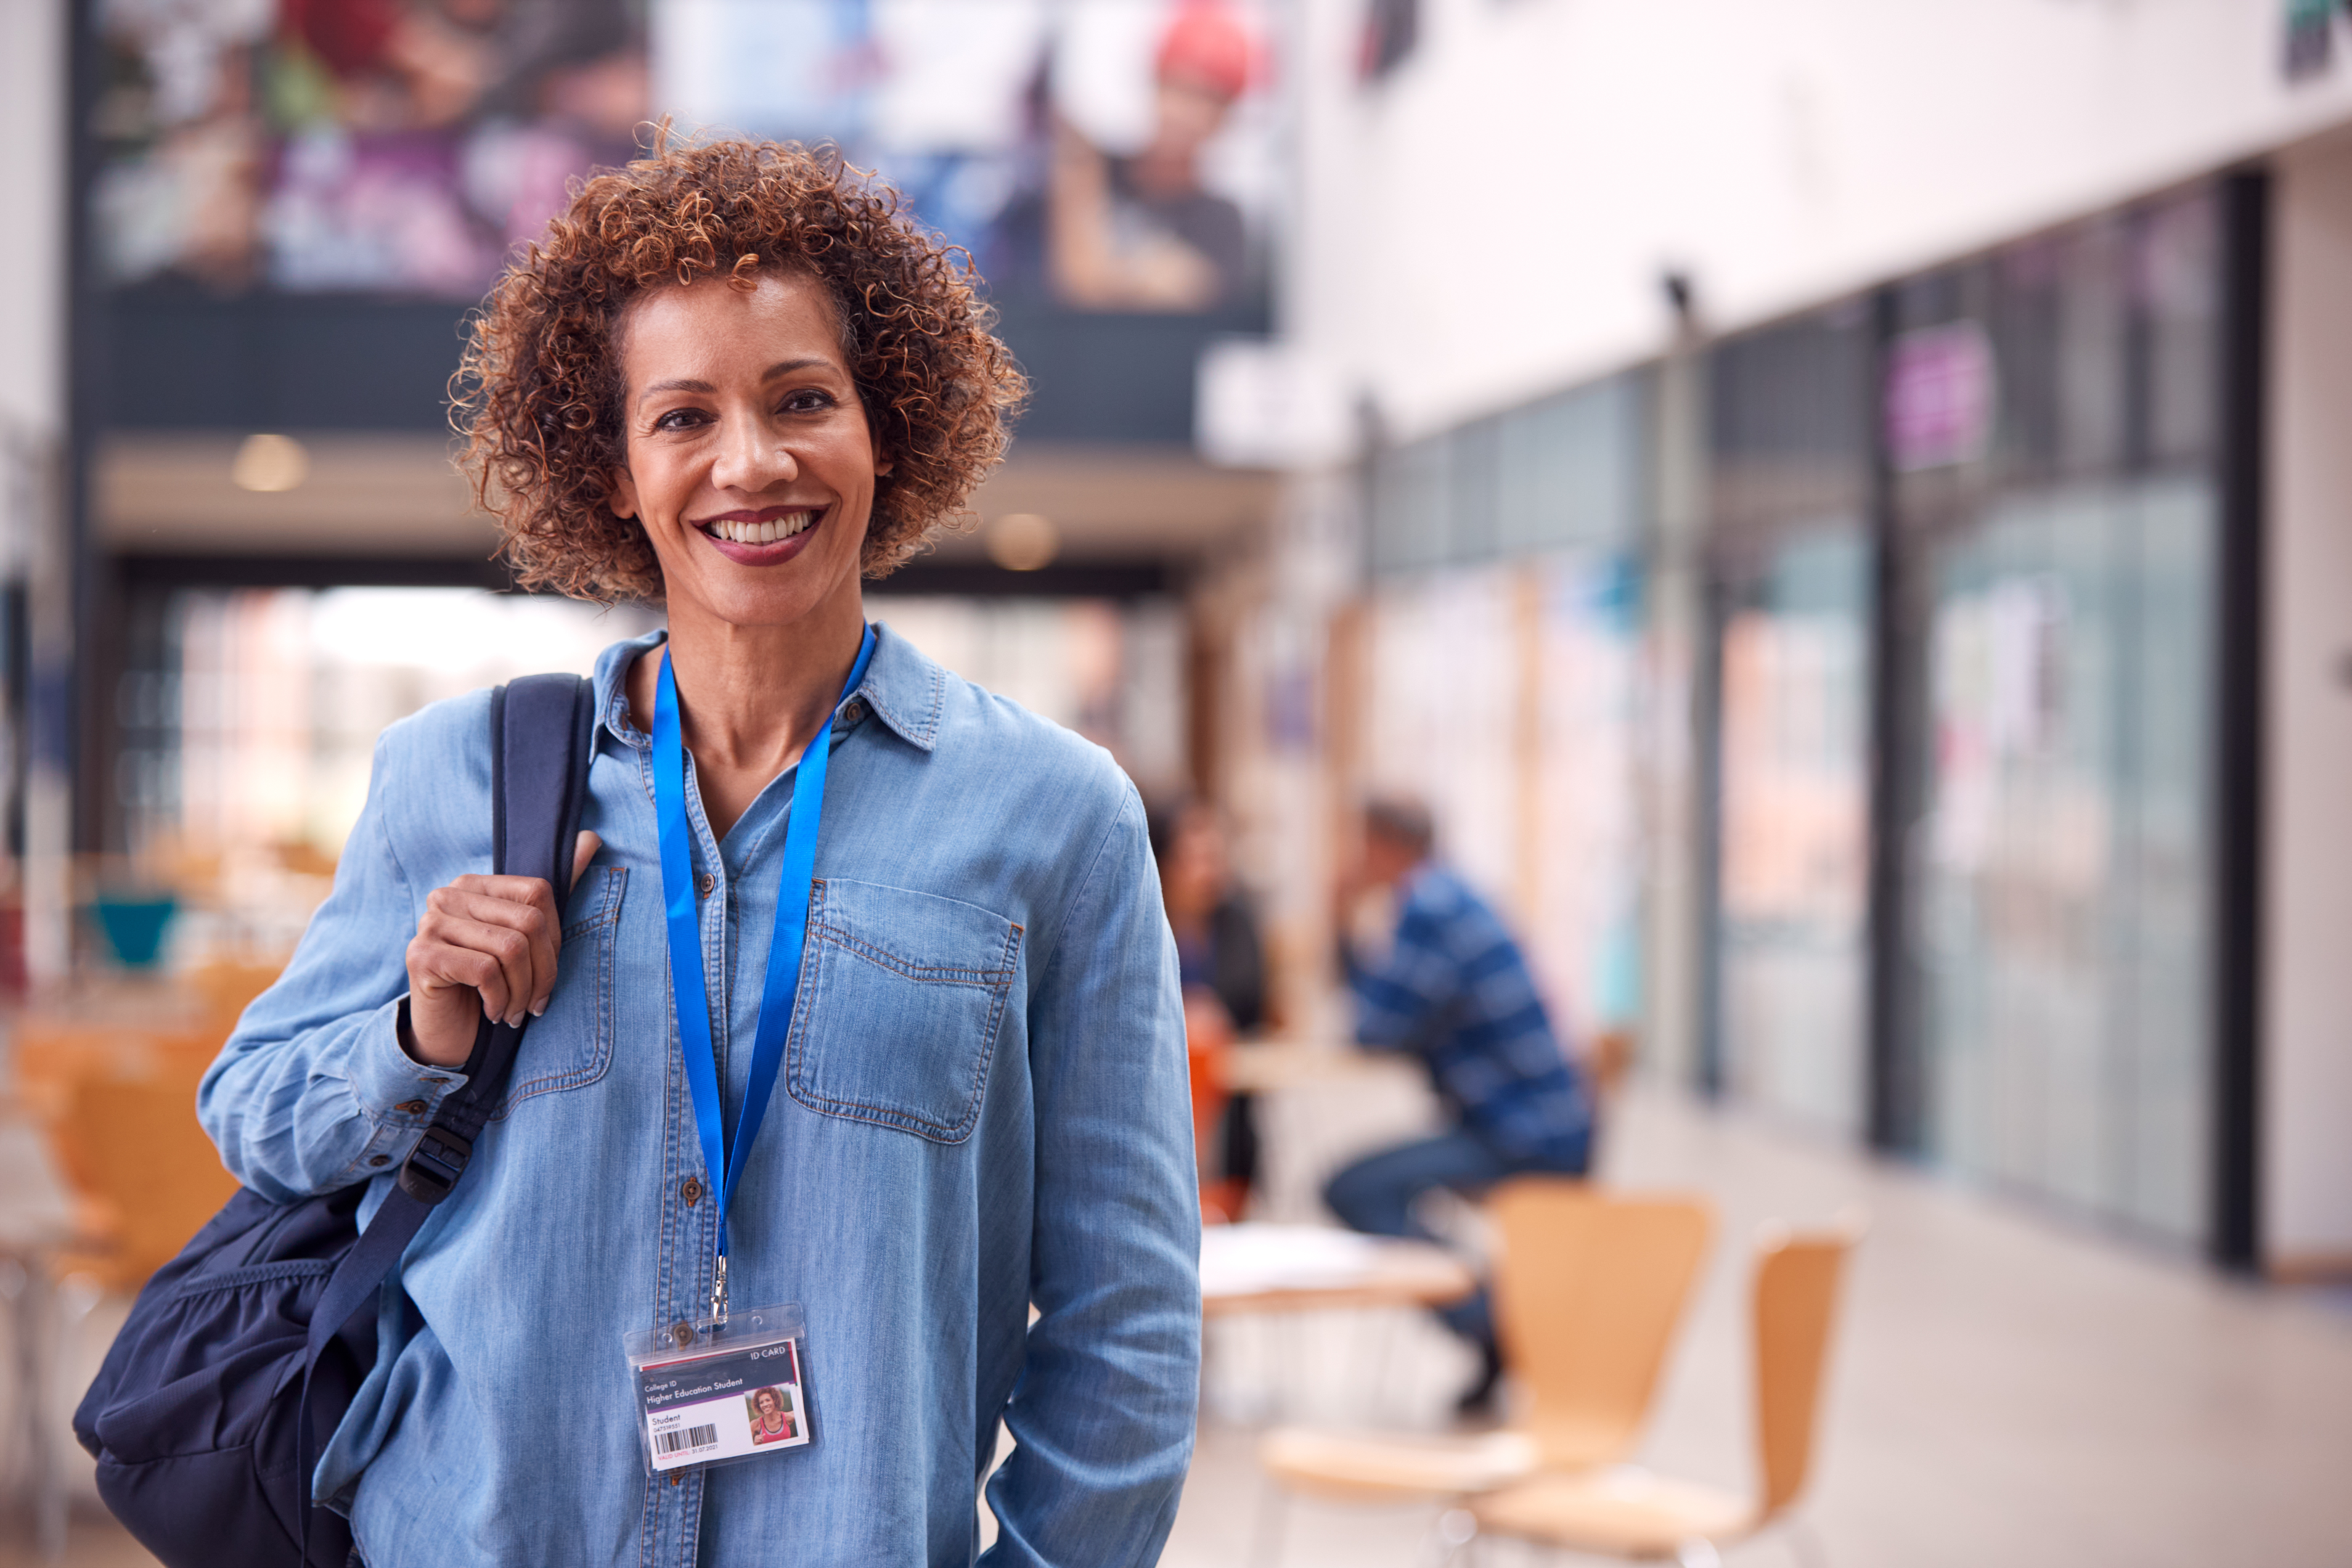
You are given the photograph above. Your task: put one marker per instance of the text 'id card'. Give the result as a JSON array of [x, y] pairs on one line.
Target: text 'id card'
[[733, 1391]]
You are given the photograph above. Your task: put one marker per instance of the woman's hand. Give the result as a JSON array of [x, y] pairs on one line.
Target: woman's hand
[[486, 948]]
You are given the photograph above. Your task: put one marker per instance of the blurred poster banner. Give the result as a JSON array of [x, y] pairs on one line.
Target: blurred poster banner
[[1099, 154], [1092, 154], [352, 145], [1940, 396]]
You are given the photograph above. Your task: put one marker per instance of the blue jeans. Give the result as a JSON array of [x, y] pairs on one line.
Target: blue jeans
[[1377, 1194]]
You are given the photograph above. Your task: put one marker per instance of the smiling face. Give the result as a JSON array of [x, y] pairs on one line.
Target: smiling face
[[767, 1402], [748, 460]]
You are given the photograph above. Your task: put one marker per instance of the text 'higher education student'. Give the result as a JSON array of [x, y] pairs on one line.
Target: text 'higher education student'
[[817, 1113]]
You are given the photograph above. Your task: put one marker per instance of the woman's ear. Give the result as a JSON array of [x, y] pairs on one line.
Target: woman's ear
[[621, 493]]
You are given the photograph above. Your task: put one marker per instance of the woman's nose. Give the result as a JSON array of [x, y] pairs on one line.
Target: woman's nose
[[752, 457]]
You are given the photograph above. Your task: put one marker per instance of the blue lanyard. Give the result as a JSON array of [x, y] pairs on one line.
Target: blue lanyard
[[722, 1158]]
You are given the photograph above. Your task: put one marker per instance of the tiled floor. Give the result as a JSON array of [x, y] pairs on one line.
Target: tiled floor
[[2006, 1390]]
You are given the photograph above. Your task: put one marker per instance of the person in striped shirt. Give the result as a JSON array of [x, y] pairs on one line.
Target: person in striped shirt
[[1452, 989]]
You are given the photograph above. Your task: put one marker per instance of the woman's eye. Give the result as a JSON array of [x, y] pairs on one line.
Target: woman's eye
[[680, 419], [808, 400]]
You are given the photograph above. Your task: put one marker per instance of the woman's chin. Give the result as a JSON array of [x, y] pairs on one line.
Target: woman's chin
[[765, 593]]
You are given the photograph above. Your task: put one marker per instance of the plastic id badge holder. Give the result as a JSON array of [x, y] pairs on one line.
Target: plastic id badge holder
[[735, 1392]]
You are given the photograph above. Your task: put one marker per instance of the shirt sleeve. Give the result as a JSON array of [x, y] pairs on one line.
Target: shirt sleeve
[[1102, 1415], [312, 1091], [1400, 999]]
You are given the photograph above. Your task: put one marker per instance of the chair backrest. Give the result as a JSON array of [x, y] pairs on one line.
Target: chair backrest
[[1797, 1280], [1588, 1290], [135, 1146], [228, 986]]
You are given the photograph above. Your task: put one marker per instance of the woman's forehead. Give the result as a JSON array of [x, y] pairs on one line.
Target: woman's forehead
[[720, 325]]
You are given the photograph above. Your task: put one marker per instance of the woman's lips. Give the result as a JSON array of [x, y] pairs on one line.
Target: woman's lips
[[764, 539]]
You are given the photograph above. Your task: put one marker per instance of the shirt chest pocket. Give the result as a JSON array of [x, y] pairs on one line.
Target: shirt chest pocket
[[901, 1007], [571, 1044]]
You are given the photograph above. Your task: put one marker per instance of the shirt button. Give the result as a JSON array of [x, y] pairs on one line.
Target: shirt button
[[691, 1189], [677, 1477], [381, 1159], [704, 883], [409, 1106], [683, 1333], [855, 713]]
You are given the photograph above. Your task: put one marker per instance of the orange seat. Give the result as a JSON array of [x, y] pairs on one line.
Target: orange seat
[[143, 1174], [1589, 1288], [228, 987], [1629, 1512]]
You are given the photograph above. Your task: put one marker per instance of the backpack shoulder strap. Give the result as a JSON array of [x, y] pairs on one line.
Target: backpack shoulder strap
[[542, 731], [539, 732]]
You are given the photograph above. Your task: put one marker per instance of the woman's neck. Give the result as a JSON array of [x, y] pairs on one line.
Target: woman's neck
[[750, 698]]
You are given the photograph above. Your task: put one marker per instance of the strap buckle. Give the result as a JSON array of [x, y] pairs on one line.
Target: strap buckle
[[435, 1163]]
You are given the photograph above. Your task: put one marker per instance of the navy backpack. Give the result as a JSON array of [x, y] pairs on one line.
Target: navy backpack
[[242, 1354]]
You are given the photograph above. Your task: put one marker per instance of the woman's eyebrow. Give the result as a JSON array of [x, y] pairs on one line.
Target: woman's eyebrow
[[782, 367]]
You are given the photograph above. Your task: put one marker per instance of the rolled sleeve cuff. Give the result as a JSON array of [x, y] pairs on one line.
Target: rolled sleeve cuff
[[396, 1093]]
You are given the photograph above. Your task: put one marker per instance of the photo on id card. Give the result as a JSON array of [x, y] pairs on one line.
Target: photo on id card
[[733, 1391]]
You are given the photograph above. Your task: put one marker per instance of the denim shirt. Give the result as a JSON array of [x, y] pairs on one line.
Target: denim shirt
[[982, 1105]]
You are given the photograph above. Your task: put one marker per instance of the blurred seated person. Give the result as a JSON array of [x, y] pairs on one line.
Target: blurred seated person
[[1219, 958], [1454, 990]]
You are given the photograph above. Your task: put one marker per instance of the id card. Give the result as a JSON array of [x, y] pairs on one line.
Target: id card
[[734, 1391]]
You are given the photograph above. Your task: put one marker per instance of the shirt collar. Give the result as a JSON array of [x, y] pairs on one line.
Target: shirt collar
[[905, 688]]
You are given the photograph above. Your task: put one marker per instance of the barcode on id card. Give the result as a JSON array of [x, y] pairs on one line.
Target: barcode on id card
[[692, 1437]]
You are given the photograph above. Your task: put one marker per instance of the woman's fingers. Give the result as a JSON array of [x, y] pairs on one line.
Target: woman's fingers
[[496, 956], [511, 920], [495, 936], [583, 850], [437, 964]]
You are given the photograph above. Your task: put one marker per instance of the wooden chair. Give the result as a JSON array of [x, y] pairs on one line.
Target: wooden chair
[[1607, 1061], [1589, 1288], [226, 986], [144, 1177], [1631, 1513]]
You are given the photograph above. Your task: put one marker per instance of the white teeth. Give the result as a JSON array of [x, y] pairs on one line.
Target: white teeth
[[745, 532]]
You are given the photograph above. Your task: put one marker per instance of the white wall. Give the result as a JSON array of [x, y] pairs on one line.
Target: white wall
[[1492, 220], [2308, 914]]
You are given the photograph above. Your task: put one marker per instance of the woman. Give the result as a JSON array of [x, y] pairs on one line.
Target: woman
[[770, 1422], [1222, 964], [734, 379]]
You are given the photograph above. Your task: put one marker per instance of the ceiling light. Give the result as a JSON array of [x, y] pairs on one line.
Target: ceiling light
[[1023, 541], [270, 464]]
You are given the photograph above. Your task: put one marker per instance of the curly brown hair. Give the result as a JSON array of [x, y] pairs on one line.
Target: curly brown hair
[[538, 394]]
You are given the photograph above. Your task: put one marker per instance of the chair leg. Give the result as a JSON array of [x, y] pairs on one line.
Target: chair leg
[[1451, 1538], [1266, 1539], [36, 1318], [72, 1301], [1805, 1545]]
